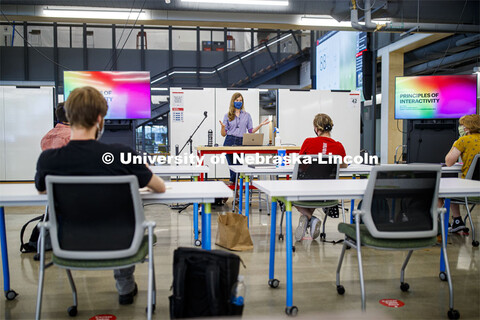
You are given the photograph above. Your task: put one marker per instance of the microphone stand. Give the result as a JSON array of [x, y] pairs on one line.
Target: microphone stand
[[190, 139], [179, 207]]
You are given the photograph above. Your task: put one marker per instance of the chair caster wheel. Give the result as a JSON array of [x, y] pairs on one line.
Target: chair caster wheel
[[198, 243], [404, 286], [442, 276], [10, 294], [273, 283], [475, 243], [280, 237], [153, 309], [36, 257], [291, 311], [293, 249], [340, 289], [323, 236], [72, 311], [453, 314]]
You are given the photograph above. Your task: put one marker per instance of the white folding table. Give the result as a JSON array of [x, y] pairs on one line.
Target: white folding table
[[314, 190], [25, 194]]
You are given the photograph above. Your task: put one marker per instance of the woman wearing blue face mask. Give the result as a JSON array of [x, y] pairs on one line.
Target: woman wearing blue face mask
[[235, 123]]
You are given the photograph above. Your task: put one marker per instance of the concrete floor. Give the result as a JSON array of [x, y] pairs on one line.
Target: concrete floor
[[313, 273]]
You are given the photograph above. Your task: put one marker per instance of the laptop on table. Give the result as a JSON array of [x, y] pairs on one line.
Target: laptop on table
[[253, 139]]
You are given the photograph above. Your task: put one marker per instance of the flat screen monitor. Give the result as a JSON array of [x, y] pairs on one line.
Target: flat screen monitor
[[435, 97], [127, 92]]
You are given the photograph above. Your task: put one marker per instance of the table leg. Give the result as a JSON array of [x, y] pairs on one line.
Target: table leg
[[9, 294], [247, 199], [235, 194], [289, 246], [203, 226], [273, 227], [352, 205], [206, 230], [446, 219], [240, 195], [195, 220]]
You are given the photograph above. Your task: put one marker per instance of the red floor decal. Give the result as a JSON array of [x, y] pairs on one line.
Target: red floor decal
[[392, 303]]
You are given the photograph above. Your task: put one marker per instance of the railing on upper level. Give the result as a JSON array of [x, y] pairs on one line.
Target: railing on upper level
[[238, 70]]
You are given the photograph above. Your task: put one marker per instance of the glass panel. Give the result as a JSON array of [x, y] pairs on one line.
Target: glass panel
[[156, 136], [10, 38], [184, 40], [99, 38], [156, 39], [63, 37], [127, 38], [40, 36]]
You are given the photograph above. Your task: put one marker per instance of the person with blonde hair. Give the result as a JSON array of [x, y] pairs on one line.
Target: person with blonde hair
[[235, 123], [324, 144], [466, 147], [86, 109]]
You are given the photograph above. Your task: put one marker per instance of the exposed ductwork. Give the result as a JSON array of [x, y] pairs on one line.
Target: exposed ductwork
[[443, 62]]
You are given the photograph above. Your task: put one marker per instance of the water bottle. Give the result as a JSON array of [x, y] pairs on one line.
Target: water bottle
[[238, 292], [210, 138], [278, 140]]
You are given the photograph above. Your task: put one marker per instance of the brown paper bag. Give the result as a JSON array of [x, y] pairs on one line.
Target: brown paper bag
[[233, 233]]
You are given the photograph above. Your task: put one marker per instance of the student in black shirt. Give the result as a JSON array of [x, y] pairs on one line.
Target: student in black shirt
[[85, 156]]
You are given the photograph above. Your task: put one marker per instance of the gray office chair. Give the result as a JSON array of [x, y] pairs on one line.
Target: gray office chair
[[473, 173], [315, 170], [96, 223], [399, 212]]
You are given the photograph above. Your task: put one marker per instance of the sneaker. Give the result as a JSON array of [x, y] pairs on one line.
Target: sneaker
[[457, 225], [127, 298], [315, 224], [302, 228]]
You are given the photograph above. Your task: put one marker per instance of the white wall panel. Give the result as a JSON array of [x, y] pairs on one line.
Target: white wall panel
[[28, 117], [297, 110], [2, 135], [194, 103]]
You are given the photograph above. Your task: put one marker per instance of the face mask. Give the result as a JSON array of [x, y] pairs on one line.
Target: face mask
[[238, 104], [99, 133], [461, 131]]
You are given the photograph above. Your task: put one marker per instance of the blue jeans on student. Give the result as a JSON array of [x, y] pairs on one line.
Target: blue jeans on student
[[232, 141]]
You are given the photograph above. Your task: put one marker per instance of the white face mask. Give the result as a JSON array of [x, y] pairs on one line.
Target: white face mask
[[99, 133]]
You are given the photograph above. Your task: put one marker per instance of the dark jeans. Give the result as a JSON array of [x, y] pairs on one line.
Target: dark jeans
[[232, 141]]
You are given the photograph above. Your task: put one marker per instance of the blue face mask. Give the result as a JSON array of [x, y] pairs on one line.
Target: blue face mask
[[238, 104]]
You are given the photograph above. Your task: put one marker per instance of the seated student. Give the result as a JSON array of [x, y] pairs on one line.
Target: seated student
[[466, 147], [60, 135], [322, 143], [86, 109]]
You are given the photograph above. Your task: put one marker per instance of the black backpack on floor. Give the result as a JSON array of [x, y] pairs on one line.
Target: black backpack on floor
[[32, 244], [203, 282]]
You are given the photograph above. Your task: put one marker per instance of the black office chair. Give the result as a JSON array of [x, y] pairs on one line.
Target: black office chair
[[311, 171], [473, 173], [96, 223], [399, 212]]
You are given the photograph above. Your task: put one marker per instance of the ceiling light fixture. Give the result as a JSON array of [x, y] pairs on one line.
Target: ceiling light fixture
[[244, 2], [94, 13], [323, 21]]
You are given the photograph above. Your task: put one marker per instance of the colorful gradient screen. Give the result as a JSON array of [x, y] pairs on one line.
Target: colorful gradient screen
[[435, 97], [127, 93]]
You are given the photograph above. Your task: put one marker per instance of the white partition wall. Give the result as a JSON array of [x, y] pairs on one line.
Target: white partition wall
[[222, 103], [187, 107], [296, 110], [27, 115], [2, 134]]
